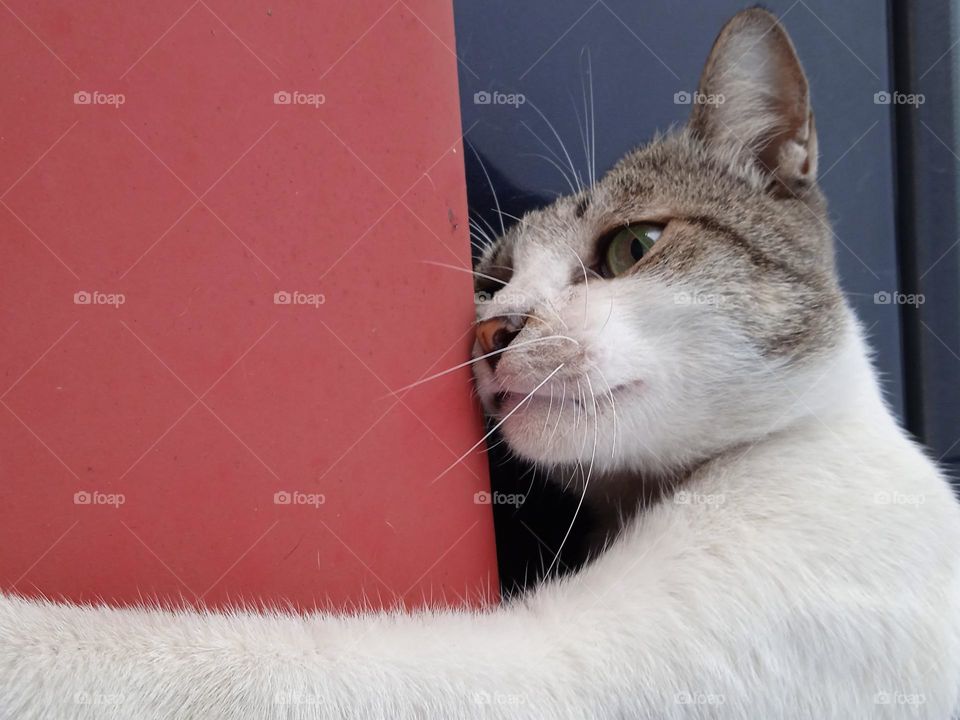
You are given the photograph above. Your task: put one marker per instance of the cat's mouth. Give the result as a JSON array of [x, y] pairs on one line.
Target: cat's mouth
[[579, 396], [506, 399]]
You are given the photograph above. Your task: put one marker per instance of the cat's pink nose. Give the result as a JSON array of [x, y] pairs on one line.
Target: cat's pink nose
[[496, 334]]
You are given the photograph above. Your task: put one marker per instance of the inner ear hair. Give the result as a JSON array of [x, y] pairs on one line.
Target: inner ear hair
[[753, 96]]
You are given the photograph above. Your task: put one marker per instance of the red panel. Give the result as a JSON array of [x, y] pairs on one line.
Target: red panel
[[170, 427]]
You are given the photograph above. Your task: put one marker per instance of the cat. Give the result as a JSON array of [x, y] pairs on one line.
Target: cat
[[672, 339]]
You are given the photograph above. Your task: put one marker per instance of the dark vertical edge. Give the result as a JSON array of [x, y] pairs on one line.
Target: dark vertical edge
[[904, 133]]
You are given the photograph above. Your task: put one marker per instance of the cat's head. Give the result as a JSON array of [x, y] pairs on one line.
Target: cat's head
[[683, 303]]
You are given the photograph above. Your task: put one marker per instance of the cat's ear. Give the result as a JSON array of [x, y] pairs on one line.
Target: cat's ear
[[753, 95]]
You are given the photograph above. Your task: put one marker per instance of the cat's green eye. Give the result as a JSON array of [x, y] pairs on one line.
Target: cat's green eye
[[627, 246]]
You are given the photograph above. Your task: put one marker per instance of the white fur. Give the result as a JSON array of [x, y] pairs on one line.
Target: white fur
[[811, 575], [806, 569]]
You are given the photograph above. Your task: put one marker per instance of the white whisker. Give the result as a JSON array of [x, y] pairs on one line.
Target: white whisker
[[490, 183], [548, 303], [555, 164], [477, 243], [588, 134], [546, 420], [533, 479], [486, 223], [609, 315], [463, 269], [586, 482], [563, 398], [586, 289], [477, 231], [581, 130], [497, 444], [477, 359], [613, 408], [593, 125], [502, 421], [563, 147], [586, 416], [549, 150]]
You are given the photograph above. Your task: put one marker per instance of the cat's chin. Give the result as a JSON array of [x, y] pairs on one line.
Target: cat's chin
[[550, 433]]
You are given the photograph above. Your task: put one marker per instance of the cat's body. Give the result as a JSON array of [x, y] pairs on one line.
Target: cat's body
[[740, 603], [792, 554]]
